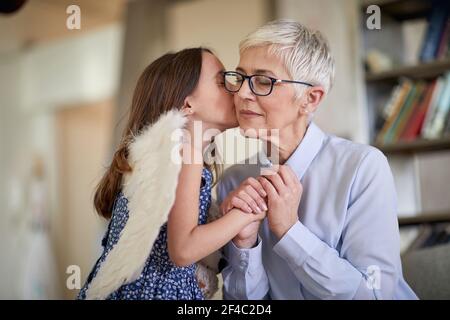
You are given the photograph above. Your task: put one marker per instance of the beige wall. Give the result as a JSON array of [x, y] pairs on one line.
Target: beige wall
[[83, 138], [34, 84], [215, 23]]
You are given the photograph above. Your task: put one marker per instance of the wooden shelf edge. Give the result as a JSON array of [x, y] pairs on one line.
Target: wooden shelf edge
[[418, 146], [424, 218], [422, 70]]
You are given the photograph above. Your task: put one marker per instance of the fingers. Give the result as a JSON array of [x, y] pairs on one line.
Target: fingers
[[240, 204], [268, 187], [259, 216], [249, 197], [257, 186], [277, 182], [289, 177], [245, 196], [250, 191]]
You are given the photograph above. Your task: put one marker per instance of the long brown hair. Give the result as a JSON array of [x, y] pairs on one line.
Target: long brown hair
[[164, 85]]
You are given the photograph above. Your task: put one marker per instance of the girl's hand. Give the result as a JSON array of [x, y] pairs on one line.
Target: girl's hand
[[248, 197], [248, 236], [253, 222], [257, 217]]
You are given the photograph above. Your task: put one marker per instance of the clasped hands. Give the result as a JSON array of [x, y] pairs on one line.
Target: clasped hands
[[277, 194]]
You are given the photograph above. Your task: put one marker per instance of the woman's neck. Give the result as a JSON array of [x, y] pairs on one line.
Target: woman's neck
[[288, 140]]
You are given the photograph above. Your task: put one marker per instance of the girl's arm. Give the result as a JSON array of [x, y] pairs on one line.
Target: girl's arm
[[189, 242]]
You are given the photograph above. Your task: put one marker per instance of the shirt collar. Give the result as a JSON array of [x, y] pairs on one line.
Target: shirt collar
[[305, 152]]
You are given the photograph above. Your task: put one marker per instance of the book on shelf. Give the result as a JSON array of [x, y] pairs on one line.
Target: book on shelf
[[437, 124], [404, 117], [432, 107], [436, 40], [447, 127], [417, 118], [443, 42], [392, 108], [416, 109], [413, 33]]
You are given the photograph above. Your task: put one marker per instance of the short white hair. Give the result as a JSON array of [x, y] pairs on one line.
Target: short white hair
[[305, 53]]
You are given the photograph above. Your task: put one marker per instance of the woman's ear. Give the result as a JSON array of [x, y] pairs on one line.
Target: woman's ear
[[314, 96]]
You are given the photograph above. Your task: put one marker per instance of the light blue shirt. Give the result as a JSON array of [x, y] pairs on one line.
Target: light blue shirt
[[346, 244]]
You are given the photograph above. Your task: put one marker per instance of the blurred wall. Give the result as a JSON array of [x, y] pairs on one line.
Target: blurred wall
[[77, 228], [13, 128], [145, 28], [218, 24], [34, 83]]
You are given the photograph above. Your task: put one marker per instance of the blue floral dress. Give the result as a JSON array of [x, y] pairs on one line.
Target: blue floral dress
[[160, 278]]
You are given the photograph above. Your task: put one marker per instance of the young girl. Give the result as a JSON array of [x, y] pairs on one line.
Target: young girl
[[135, 193]]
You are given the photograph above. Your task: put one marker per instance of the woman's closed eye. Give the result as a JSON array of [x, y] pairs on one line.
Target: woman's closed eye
[[262, 81]]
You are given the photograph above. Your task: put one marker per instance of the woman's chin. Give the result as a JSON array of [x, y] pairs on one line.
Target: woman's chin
[[249, 132]]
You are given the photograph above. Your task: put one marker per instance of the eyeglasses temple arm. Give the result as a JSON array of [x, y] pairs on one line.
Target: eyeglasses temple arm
[[292, 81]]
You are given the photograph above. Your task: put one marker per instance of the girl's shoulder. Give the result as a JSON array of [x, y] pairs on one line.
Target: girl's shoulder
[[207, 178], [120, 203], [119, 218]]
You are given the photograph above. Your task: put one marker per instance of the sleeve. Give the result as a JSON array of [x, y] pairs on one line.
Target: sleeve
[[244, 276], [367, 265]]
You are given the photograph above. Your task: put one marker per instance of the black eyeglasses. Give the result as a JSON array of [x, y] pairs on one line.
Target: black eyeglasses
[[260, 85]]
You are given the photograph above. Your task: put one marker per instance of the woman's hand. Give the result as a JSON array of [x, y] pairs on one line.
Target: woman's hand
[[284, 192], [248, 197]]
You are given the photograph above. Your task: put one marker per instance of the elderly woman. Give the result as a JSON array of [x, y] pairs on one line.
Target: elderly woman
[[331, 229]]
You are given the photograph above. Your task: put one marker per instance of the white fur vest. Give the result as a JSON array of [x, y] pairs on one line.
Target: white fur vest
[[150, 190]]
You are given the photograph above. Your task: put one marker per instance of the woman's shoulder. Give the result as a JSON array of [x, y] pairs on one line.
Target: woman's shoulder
[[345, 150], [361, 163]]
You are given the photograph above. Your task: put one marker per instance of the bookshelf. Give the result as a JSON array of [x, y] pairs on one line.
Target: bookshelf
[[417, 146], [419, 71], [404, 153], [425, 218]]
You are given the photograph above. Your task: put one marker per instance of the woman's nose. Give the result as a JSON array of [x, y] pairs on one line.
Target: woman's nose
[[245, 92]]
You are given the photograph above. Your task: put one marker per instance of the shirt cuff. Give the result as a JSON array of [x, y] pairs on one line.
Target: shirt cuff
[[245, 259], [297, 244]]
